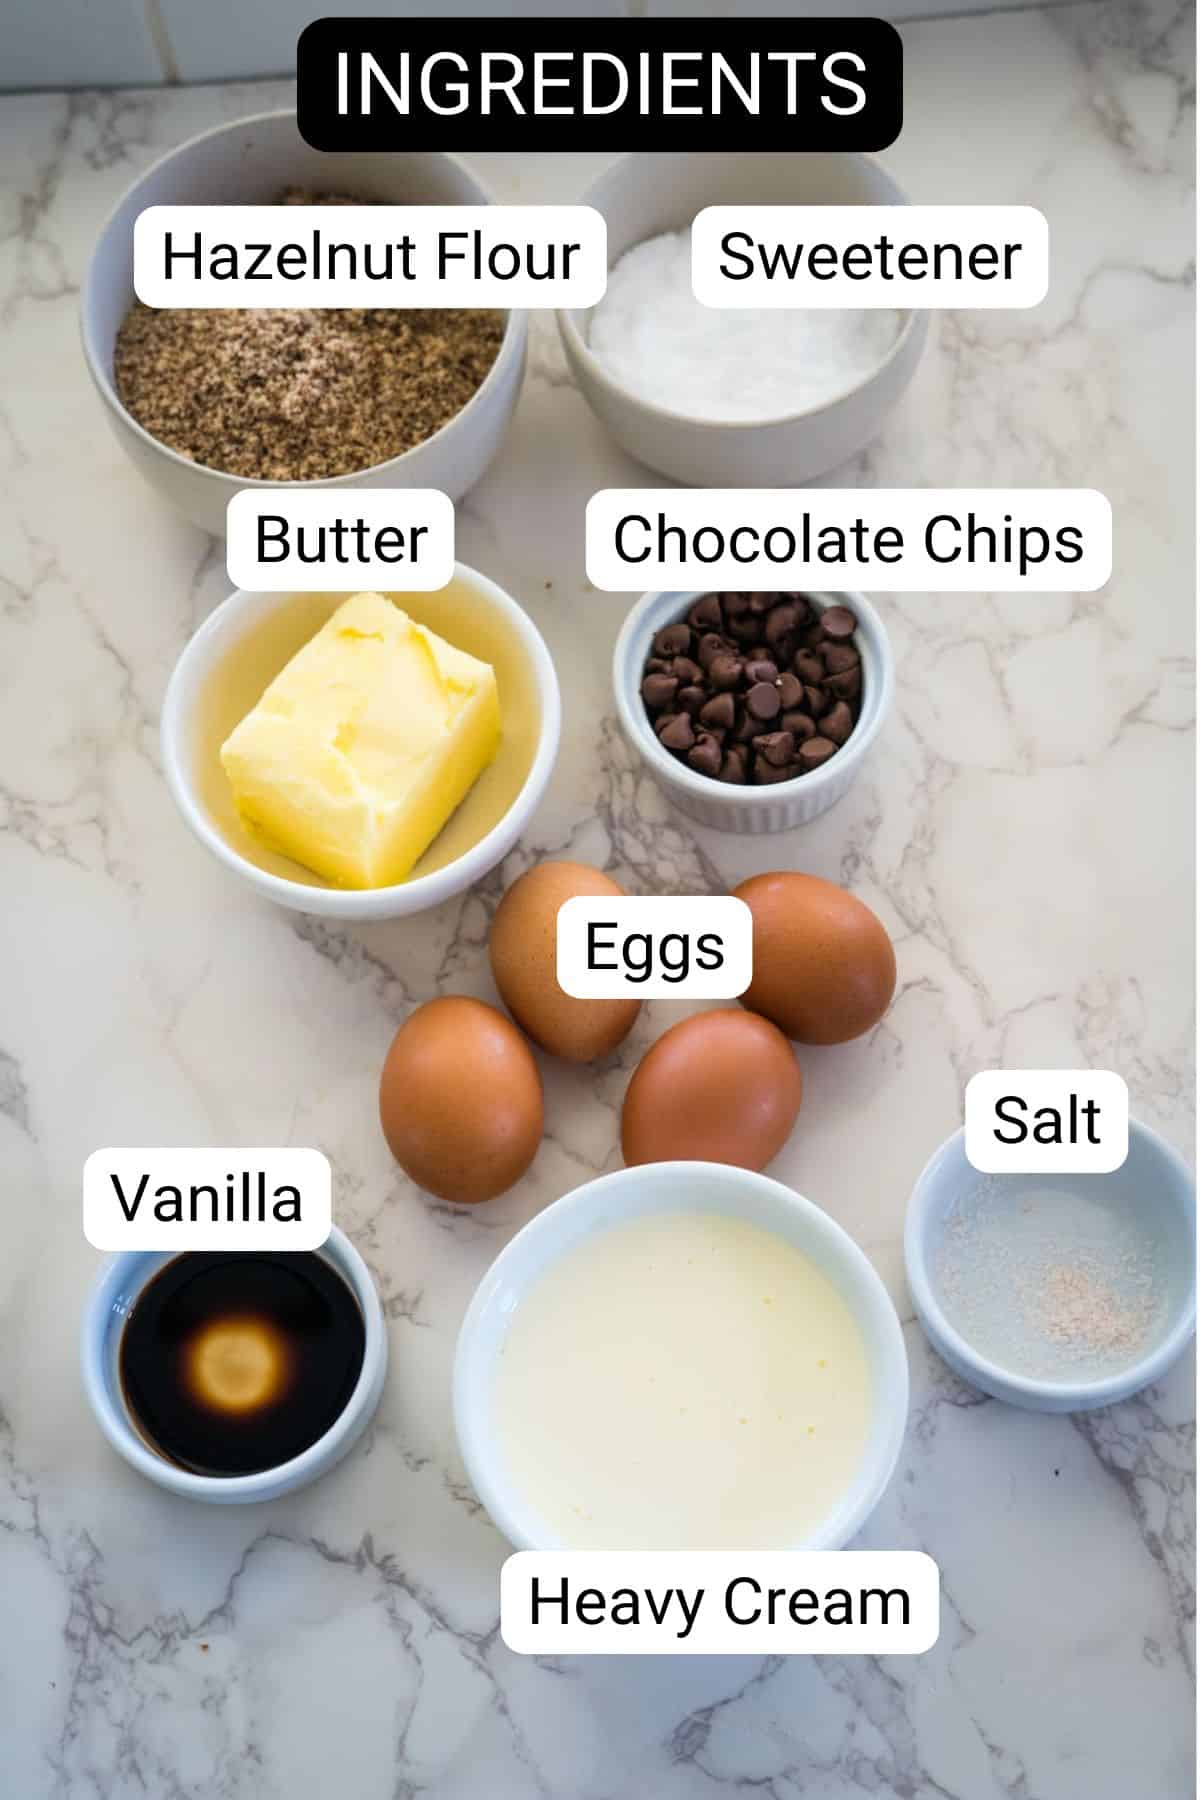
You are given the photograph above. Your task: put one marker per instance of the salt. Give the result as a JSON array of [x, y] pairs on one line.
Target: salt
[[1051, 1283], [733, 365]]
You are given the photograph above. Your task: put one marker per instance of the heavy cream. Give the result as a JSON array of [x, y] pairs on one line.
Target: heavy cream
[[682, 1381]]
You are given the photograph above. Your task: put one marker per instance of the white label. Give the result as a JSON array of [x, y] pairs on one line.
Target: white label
[[870, 256], [222, 1199], [1046, 1121], [314, 539], [707, 1602], [657, 947], [522, 256], [942, 540]]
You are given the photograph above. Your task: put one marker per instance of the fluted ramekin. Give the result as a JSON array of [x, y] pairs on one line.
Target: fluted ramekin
[[753, 810]]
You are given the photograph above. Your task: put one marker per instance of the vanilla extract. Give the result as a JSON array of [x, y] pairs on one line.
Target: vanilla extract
[[235, 1362]]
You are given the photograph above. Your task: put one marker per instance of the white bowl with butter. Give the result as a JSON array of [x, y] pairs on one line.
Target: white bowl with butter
[[681, 1356], [280, 773]]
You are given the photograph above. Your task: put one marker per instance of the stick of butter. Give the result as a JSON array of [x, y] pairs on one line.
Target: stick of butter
[[363, 745]]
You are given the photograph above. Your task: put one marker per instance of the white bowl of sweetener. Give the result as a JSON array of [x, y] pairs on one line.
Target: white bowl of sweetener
[[732, 397], [1058, 1293], [727, 396]]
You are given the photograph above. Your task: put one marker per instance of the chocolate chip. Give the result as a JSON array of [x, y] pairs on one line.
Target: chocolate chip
[[744, 631], [687, 670], [779, 747], [839, 622], [762, 702], [675, 732], [816, 701], [782, 621], [816, 751], [811, 634], [719, 710], [761, 669], [725, 671], [766, 773], [706, 757], [837, 658], [808, 667], [690, 700], [790, 691], [657, 665], [659, 691], [747, 727], [847, 685], [673, 640], [711, 645], [732, 768], [838, 723], [799, 724], [706, 614], [735, 606], [762, 603]]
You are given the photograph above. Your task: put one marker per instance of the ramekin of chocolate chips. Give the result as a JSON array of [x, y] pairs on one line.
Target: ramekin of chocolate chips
[[754, 689], [754, 712]]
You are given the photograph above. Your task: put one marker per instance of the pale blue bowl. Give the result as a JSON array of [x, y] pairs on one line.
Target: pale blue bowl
[[1154, 1180]]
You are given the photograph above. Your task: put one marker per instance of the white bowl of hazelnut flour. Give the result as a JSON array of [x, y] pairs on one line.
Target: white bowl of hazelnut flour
[[205, 403], [1059, 1293]]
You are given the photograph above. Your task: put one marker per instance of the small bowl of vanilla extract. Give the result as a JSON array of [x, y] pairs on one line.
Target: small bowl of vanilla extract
[[235, 1376]]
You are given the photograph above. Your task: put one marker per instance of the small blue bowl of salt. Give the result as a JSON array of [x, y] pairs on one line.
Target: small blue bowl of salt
[[1059, 1293]]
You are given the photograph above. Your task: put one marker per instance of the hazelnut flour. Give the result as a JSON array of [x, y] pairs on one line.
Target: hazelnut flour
[[300, 394]]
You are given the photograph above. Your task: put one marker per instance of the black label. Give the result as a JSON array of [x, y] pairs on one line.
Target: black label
[[599, 84]]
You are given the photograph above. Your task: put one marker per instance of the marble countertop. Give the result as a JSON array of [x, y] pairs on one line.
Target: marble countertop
[[1022, 830]]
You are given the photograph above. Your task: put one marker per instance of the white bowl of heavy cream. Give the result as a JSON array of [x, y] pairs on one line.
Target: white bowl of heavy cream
[[681, 1356]]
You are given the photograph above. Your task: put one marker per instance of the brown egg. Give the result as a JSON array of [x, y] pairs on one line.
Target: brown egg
[[718, 1087], [523, 952], [460, 1100], [824, 967]]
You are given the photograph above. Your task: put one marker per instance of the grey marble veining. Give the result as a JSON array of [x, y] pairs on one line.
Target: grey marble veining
[[1022, 829]]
